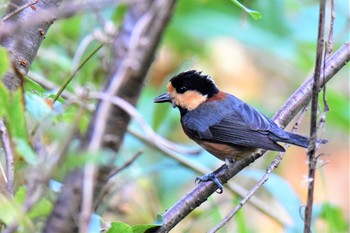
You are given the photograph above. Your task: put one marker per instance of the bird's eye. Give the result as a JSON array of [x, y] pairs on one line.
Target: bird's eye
[[182, 89]]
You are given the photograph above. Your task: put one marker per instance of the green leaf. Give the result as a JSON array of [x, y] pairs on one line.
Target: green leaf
[[4, 61], [11, 211], [26, 151], [142, 228], [255, 14], [40, 209], [119, 227], [12, 108], [4, 100], [335, 218], [32, 86], [20, 194], [16, 115]]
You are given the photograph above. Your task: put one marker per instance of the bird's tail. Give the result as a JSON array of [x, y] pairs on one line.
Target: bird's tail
[[300, 140]]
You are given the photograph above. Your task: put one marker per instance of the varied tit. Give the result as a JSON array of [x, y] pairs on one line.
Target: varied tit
[[221, 123]]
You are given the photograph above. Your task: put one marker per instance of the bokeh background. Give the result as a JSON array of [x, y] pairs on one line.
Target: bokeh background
[[260, 61]]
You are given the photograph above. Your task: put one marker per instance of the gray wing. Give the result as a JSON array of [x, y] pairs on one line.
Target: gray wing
[[236, 123]]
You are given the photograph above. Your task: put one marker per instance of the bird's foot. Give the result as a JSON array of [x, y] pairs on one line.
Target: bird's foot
[[211, 177]]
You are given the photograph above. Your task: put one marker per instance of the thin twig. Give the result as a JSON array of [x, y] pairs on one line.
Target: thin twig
[[106, 187], [312, 159], [9, 157], [66, 10], [65, 84], [329, 47], [265, 177], [19, 9], [133, 112], [125, 165]]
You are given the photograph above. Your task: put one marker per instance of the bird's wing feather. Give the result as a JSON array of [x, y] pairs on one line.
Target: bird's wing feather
[[228, 131], [233, 122]]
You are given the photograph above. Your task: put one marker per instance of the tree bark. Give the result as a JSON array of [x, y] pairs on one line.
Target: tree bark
[[23, 44], [133, 51]]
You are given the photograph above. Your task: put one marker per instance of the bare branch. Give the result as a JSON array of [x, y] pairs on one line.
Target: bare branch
[[312, 159], [329, 47], [9, 156]]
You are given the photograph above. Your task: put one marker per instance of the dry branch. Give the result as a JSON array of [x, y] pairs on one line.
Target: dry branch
[[311, 153]]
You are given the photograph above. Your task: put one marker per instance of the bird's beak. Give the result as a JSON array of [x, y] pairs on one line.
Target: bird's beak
[[163, 98]]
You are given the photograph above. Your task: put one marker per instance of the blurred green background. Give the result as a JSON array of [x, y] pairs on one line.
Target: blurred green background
[[260, 61]]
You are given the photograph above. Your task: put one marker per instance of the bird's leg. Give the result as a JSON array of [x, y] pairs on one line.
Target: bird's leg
[[229, 161], [211, 177]]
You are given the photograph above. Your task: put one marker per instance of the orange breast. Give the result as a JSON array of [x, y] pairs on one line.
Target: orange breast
[[222, 150]]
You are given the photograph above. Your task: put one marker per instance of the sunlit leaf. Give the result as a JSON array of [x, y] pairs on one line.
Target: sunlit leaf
[[253, 13], [335, 218], [41, 209], [11, 211], [119, 227], [32, 86], [20, 194], [26, 151], [4, 95], [16, 117], [4, 61], [12, 108]]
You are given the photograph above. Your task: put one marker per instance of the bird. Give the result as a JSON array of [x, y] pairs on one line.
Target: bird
[[221, 123]]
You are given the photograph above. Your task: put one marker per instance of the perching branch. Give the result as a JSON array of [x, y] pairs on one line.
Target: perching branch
[[312, 158], [292, 106]]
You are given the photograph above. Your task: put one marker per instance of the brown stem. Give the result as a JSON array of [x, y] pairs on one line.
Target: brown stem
[[9, 157], [313, 124], [133, 50]]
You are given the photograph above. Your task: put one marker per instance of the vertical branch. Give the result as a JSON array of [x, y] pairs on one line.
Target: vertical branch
[[329, 48], [133, 50], [328, 51], [9, 157], [313, 124]]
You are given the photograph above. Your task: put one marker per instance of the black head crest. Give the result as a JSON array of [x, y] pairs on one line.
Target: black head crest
[[195, 81]]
